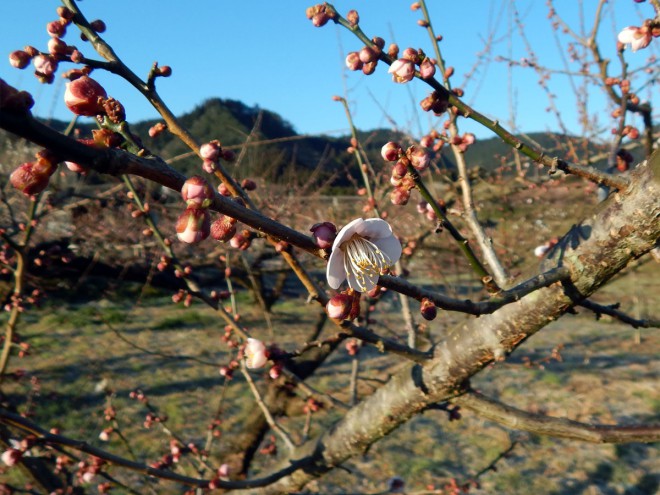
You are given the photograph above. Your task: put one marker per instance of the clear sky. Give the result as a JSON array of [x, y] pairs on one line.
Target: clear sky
[[267, 53]]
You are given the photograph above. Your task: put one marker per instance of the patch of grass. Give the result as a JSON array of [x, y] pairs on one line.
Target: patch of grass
[[185, 319]]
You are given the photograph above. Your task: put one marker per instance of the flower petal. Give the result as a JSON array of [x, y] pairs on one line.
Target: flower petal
[[373, 228], [346, 233], [391, 247], [335, 270], [370, 282]]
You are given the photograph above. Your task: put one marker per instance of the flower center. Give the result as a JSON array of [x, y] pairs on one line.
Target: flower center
[[362, 257]]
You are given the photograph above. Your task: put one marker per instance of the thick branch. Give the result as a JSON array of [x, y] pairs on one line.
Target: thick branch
[[625, 227], [555, 427]]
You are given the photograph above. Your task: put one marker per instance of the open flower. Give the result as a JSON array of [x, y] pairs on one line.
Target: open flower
[[362, 250], [256, 354], [635, 37]]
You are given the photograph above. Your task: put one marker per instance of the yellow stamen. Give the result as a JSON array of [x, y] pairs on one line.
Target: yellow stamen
[[362, 257]]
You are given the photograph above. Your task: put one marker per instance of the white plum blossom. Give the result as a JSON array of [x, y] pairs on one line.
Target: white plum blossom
[[635, 37], [362, 251], [255, 353]]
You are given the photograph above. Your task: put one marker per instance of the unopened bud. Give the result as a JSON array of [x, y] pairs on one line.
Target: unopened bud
[[391, 151], [85, 96], [428, 309], [193, 225], [19, 59], [324, 234], [196, 192], [339, 306]]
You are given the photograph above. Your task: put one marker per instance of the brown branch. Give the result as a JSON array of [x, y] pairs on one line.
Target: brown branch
[[27, 426], [613, 311], [518, 419], [624, 228]]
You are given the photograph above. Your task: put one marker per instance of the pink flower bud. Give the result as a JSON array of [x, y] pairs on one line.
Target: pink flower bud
[[11, 456], [400, 196], [353, 61], [369, 68], [353, 17], [45, 65], [428, 309], [391, 151], [19, 59], [85, 96], [75, 167], [256, 354], [419, 157], [339, 306], [157, 129], [324, 234], [223, 471], [210, 151], [368, 54], [56, 29], [411, 54], [275, 371], [197, 193], [223, 229], [402, 70], [56, 46], [193, 225], [427, 69]]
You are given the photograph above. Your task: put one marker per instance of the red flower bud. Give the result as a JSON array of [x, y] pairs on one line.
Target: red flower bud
[[428, 309], [19, 59], [223, 229], [56, 29], [391, 151], [353, 17], [98, 25], [210, 151], [31, 178], [57, 47], [324, 234], [85, 96], [339, 306], [248, 184]]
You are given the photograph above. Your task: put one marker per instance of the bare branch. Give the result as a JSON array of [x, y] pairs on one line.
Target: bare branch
[[555, 427], [613, 311]]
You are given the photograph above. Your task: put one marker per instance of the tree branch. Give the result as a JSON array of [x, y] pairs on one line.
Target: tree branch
[[555, 427]]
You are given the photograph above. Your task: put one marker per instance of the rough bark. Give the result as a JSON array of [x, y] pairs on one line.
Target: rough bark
[[625, 227]]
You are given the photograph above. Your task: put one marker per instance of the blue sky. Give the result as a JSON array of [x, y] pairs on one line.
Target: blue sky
[[268, 54]]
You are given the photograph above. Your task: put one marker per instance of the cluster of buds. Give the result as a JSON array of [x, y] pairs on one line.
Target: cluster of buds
[[424, 208], [366, 59], [87, 471], [227, 371], [436, 103], [434, 140], [415, 157], [320, 14], [344, 305], [194, 223], [463, 142], [403, 69], [32, 177], [211, 154]]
